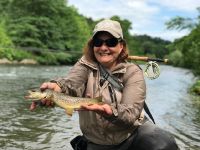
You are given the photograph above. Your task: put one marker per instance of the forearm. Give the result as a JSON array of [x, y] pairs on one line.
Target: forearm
[[74, 83]]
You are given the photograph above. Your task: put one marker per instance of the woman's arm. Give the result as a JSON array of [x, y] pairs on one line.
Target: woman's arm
[[133, 97], [73, 84]]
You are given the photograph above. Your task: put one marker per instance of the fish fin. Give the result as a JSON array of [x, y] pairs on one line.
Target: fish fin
[[69, 111]]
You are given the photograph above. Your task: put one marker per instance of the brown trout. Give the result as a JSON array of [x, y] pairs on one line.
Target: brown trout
[[66, 102]]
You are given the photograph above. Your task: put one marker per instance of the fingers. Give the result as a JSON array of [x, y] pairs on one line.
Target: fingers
[[42, 103], [33, 106], [47, 103], [79, 109], [108, 109], [44, 86], [104, 109], [92, 107], [50, 85]]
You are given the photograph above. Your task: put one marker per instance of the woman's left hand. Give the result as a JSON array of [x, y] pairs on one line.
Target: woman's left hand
[[103, 109]]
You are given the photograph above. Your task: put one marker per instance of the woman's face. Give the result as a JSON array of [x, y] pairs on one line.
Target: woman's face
[[107, 49]]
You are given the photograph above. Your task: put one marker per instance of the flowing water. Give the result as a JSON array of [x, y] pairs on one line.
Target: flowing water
[[50, 128]]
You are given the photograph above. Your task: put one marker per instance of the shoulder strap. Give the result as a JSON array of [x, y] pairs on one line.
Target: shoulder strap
[[110, 78], [116, 84], [148, 112]]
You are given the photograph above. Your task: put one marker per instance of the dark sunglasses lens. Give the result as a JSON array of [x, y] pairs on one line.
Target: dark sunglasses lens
[[98, 42], [111, 42]]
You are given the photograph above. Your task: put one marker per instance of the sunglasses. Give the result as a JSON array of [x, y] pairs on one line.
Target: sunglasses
[[109, 42]]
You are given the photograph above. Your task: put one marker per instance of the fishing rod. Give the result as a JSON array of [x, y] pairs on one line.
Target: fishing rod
[[144, 58], [152, 69]]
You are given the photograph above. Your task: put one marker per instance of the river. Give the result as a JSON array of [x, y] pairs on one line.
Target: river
[[50, 128]]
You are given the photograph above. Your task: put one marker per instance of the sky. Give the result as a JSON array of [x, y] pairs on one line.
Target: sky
[[147, 16]]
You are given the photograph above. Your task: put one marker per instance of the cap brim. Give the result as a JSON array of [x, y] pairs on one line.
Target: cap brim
[[112, 33]]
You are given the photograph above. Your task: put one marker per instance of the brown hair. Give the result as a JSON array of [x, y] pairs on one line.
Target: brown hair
[[89, 52]]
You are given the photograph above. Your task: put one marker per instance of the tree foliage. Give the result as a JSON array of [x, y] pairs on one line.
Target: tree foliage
[[146, 45], [47, 24], [5, 40], [43, 25], [180, 23], [187, 48]]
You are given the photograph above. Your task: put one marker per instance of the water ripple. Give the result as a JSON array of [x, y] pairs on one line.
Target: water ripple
[[47, 129]]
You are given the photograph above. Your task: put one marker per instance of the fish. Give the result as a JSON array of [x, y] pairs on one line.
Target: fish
[[62, 100]]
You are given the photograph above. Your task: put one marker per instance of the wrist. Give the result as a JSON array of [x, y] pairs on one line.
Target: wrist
[[114, 110]]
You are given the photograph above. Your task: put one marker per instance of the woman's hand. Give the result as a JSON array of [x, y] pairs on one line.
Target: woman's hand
[[104, 109], [45, 102]]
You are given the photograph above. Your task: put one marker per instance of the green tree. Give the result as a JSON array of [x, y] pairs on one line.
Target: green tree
[[47, 24], [180, 23], [5, 40], [148, 45], [189, 45]]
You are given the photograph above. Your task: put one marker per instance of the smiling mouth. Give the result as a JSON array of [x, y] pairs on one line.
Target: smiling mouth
[[104, 54]]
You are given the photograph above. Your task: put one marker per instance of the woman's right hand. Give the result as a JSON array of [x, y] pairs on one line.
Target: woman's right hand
[[43, 87]]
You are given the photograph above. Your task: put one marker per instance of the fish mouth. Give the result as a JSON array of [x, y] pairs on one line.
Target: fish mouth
[[26, 97], [33, 99]]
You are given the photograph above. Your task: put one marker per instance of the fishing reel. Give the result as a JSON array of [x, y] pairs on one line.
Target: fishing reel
[[152, 70]]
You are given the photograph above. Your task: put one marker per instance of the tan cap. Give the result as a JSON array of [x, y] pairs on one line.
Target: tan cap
[[111, 26]]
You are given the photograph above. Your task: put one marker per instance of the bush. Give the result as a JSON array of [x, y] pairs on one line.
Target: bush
[[14, 54], [21, 54], [176, 58], [47, 58], [6, 53], [196, 88], [57, 58], [63, 58], [5, 40]]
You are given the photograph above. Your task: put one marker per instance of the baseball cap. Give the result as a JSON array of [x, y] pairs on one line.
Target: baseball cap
[[111, 26]]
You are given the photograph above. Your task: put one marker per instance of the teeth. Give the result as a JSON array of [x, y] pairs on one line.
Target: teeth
[[104, 54]]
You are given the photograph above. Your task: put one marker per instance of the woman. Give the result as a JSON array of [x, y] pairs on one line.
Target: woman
[[120, 122]]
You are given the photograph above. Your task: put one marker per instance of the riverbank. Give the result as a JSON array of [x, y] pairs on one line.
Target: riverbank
[[5, 61], [196, 88]]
